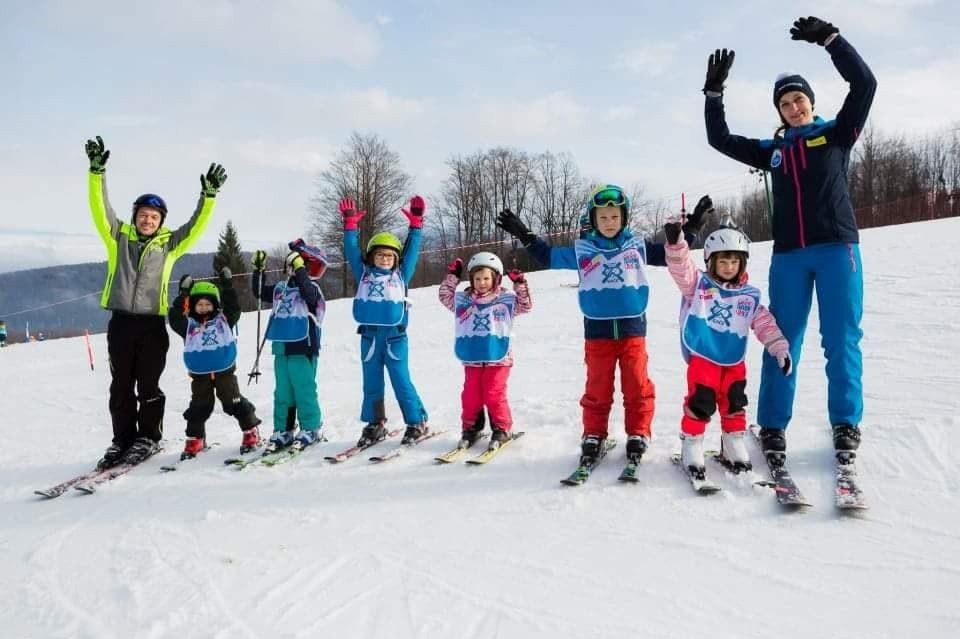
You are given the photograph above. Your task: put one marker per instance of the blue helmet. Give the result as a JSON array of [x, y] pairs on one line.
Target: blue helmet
[[152, 201]]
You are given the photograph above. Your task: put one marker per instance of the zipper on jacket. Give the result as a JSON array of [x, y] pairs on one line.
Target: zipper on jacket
[[796, 183]]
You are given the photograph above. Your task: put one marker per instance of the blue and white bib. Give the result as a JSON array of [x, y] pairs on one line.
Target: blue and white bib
[[716, 321], [290, 317], [613, 282], [380, 299], [209, 347], [482, 331]]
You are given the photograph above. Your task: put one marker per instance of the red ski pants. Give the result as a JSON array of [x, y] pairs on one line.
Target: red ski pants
[[601, 356], [486, 386], [711, 386]]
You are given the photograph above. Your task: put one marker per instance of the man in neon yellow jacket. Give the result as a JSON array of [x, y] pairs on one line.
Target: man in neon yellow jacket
[[140, 259]]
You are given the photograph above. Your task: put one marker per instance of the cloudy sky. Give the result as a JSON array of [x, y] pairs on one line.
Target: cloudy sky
[[273, 90]]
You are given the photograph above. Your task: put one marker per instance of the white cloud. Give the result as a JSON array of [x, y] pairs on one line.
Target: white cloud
[[305, 30], [651, 59], [507, 119]]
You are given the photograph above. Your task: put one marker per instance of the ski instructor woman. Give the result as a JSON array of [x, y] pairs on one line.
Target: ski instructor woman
[[815, 238]]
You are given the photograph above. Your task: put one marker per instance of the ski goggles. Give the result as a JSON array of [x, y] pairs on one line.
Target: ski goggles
[[609, 197]]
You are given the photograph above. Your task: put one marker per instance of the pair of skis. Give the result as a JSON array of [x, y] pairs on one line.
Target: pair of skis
[[489, 454], [586, 467], [87, 483]]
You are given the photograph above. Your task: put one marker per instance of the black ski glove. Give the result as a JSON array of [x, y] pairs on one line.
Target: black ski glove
[[812, 29], [509, 222], [98, 155], [226, 277], [718, 68], [213, 180], [672, 232], [695, 221]]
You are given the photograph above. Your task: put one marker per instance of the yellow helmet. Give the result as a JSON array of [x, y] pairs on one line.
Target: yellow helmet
[[384, 240]]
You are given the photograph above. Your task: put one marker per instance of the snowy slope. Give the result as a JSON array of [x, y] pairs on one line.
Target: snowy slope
[[410, 549]]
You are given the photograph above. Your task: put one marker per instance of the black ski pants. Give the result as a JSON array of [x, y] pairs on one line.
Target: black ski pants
[[138, 346], [226, 388]]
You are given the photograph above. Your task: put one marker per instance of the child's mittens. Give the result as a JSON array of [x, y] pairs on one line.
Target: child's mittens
[[671, 231], [186, 283], [455, 267], [516, 276], [294, 261], [259, 261], [351, 216], [414, 214], [782, 353]]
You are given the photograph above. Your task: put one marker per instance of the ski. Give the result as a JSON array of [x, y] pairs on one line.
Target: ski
[[284, 455], [462, 447], [492, 452], [62, 487], [172, 466], [847, 494], [344, 455], [701, 485], [397, 451], [629, 472], [583, 471], [89, 486], [781, 481]]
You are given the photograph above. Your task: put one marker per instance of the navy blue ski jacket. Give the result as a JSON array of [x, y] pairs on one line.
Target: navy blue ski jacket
[[808, 165]]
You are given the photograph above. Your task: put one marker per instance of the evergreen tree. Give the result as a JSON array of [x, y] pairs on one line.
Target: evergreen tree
[[230, 255]]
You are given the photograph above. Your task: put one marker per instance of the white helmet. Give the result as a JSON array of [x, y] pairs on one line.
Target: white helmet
[[485, 259], [726, 239]]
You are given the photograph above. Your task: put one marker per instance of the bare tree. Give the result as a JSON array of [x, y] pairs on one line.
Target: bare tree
[[368, 171]]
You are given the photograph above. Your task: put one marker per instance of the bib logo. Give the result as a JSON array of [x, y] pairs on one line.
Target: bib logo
[[776, 159]]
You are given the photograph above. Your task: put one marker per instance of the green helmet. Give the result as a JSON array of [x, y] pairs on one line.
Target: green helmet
[[607, 195], [206, 290], [384, 240]]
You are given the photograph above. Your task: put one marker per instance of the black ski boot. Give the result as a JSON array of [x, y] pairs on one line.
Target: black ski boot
[[636, 447], [590, 449], [498, 438], [846, 441], [113, 456], [469, 436], [141, 449], [413, 433], [773, 441], [372, 433]]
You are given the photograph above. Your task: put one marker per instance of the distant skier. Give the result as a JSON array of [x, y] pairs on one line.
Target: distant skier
[[210, 356], [484, 315], [719, 310], [612, 294], [294, 329], [140, 258], [3, 333], [815, 237]]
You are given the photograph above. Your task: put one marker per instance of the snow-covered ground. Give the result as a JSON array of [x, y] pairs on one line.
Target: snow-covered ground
[[413, 549]]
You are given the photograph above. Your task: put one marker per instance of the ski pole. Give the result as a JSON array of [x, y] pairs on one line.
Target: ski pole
[[255, 373]]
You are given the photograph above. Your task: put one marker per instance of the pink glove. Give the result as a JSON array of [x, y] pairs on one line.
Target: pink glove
[[782, 354], [516, 276], [455, 267], [418, 207], [351, 216]]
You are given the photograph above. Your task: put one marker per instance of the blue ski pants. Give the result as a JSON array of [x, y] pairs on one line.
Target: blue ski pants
[[836, 273], [387, 347]]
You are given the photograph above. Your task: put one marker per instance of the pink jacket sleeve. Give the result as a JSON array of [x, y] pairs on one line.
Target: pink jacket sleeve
[[524, 301], [448, 290], [681, 268], [765, 328]]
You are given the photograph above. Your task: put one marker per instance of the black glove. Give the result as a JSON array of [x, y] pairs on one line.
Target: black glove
[[509, 222], [672, 232], [696, 220], [718, 68], [226, 276], [186, 282], [213, 180], [98, 155], [812, 30]]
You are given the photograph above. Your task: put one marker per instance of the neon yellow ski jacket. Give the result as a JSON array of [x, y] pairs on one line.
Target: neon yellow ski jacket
[[137, 278]]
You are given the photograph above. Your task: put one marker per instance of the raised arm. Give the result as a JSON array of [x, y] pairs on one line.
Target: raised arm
[[229, 300], [411, 247], [351, 236], [186, 235], [257, 279], [448, 287], [746, 150], [104, 218], [522, 289], [177, 314]]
